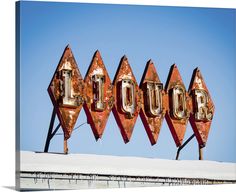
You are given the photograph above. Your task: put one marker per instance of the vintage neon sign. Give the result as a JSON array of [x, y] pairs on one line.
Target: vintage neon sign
[[202, 108], [98, 95], [154, 103], [177, 114], [127, 99], [66, 91]]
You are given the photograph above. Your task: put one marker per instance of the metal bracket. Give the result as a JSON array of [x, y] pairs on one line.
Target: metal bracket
[[200, 148]]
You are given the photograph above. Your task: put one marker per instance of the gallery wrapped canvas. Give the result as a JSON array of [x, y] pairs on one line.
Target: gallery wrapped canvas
[[116, 96]]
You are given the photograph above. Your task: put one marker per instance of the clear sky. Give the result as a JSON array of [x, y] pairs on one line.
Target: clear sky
[[189, 37]]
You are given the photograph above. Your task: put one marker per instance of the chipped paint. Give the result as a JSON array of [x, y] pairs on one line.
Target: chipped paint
[[97, 118], [97, 71], [125, 121], [151, 123], [69, 92], [177, 126], [67, 113], [201, 128]]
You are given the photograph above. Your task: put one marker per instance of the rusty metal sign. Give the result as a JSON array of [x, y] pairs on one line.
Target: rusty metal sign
[[127, 96], [69, 92], [203, 108], [179, 105], [153, 102], [66, 91], [99, 95]]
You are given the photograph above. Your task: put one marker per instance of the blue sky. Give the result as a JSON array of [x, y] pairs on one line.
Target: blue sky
[[189, 37]]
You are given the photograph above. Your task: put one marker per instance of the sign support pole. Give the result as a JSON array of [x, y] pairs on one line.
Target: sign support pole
[[184, 144], [51, 133], [65, 146], [200, 152]]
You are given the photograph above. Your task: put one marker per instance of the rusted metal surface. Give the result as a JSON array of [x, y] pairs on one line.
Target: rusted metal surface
[[203, 108], [127, 96], [177, 114], [153, 102], [99, 95], [66, 91], [69, 92]]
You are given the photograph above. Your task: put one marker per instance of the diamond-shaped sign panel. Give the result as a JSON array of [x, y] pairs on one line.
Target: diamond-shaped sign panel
[[99, 95], [66, 91], [203, 108], [153, 102], [179, 105], [127, 94]]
